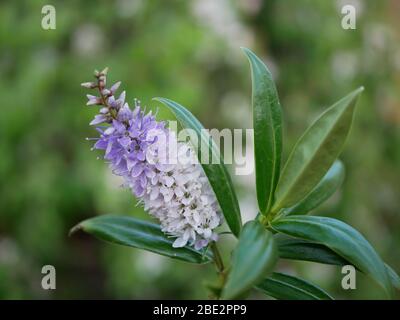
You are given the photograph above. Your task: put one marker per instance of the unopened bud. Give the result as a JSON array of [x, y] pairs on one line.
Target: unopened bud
[[104, 72], [105, 92], [95, 101], [115, 87], [89, 85]]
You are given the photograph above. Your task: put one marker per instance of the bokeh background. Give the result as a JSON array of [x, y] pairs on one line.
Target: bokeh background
[[187, 51]]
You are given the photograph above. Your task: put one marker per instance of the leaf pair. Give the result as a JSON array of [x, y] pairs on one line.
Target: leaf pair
[[253, 260], [312, 156], [299, 249], [341, 239], [321, 192]]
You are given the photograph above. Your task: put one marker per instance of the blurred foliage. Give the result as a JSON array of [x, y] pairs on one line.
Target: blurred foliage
[[188, 51]]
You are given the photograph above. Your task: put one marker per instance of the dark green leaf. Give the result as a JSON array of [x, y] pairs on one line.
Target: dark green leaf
[[267, 123], [217, 174], [298, 249], [342, 239], [139, 234], [315, 152], [252, 260], [285, 287], [303, 250], [324, 189]]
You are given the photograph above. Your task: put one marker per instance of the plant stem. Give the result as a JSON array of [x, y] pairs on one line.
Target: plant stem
[[220, 269], [217, 258]]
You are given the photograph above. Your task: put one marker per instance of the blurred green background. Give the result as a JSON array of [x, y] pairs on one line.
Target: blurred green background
[[187, 51]]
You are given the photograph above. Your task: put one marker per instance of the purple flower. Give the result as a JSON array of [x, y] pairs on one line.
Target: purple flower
[[137, 148]]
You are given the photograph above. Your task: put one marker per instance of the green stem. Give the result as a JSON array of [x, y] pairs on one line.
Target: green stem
[[220, 269], [217, 258]]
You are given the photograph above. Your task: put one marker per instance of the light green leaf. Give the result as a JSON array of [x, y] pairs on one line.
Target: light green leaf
[[252, 260], [315, 152], [342, 239], [285, 287], [394, 277], [323, 190], [267, 123], [139, 234], [217, 174]]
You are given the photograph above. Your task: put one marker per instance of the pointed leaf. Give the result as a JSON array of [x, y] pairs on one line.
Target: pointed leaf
[[323, 190], [342, 239], [315, 152], [217, 174], [267, 123], [252, 260], [139, 234], [303, 250], [285, 287]]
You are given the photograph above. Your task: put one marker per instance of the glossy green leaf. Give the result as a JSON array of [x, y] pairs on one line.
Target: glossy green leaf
[[303, 250], [139, 234], [342, 239], [285, 287], [394, 277], [315, 152], [298, 249], [323, 190], [267, 123], [253, 259], [217, 174]]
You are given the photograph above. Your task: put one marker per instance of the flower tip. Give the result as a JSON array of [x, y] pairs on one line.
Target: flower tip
[[115, 87], [92, 102], [104, 72], [106, 92], [98, 119], [88, 85]]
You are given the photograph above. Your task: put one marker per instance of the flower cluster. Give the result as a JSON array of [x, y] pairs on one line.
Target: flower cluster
[[173, 189]]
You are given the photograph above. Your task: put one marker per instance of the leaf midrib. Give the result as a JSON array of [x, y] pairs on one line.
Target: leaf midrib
[[304, 167], [274, 151], [294, 287]]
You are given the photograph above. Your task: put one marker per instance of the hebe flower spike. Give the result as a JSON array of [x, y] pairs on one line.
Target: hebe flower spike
[[175, 192]]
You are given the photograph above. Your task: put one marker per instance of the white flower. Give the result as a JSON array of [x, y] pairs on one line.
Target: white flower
[[180, 196]]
